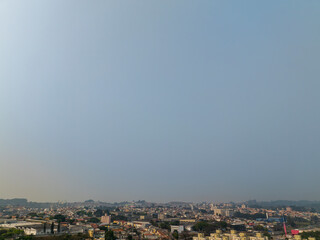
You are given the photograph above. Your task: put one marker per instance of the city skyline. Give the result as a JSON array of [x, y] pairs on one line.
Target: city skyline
[[159, 100], [278, 202]]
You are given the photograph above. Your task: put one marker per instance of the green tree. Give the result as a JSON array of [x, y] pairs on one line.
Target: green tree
[[10, 233], [60, 217], [99, 212], [259, 228], [314, 219], [174, 223], [154, 223], [109, 235], [165, 225], [175, 234], [94, 220], [105, 228], [221, 224], [291, 222], [81, 213], [26, 238], [200, 226], [32, 214], [208, 227], [315, 234], [71, 221], [52, 228], [185, 235]]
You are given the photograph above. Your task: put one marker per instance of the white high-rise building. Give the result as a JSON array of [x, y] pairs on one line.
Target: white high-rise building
[[106, 219]]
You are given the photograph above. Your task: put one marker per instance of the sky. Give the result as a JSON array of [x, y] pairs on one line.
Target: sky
[[160, 100]]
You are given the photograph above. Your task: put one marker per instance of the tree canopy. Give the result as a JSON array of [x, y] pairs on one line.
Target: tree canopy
[[109, 235], [209, 227]]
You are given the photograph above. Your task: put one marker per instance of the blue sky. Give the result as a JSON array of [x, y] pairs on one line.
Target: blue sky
[[159, 100]]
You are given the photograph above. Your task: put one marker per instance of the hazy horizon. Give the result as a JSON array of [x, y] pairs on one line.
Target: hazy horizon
[[163, 202], [160, 100]]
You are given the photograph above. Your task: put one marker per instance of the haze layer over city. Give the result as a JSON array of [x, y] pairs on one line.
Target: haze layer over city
[[192, 101]]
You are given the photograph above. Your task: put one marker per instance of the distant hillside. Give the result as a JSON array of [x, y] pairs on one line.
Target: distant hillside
[[296, 205], [14, 202], [24, 203]]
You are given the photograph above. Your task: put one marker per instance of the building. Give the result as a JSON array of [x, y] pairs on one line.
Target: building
[[229, 236], [179, 229], [223, 212], [30, 231], [106, 219]]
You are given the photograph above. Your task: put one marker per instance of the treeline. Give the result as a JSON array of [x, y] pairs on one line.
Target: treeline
[[14, 202], [165, 224], [25, 203], [209, 227], [301, 222], [10, 233], [313, 206], [315, 234], [249, 216]]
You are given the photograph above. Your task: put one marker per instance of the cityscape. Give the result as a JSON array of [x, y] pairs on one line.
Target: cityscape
[[159, 119], [251, 220]]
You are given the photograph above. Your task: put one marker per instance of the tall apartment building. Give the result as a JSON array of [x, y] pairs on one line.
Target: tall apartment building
[[106, 219], [229, 236], [223, 212]]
